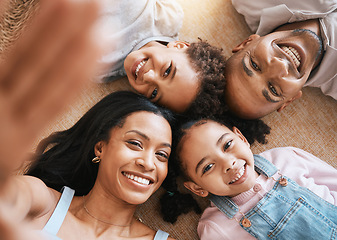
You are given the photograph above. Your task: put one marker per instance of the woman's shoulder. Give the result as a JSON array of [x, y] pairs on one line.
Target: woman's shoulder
[[146, 232]]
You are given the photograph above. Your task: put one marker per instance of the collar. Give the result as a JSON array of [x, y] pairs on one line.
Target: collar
[[225, 204]]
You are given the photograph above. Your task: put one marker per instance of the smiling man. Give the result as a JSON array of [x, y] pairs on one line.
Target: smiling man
[[294, 47]]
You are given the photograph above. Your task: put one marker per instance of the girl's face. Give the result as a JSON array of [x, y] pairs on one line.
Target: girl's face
[[134, 161], [218, 160]]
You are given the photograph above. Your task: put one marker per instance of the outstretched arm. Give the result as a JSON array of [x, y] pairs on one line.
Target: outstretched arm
[[22, 200], [39, 76]]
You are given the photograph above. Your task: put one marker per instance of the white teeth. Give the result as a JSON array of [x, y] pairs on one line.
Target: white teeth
[[292, 52], [137, 178], [239, 175], [140, 65]]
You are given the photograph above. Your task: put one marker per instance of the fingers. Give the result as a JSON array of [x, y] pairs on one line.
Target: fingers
[[55, 65], [43, 71], [47, 37]]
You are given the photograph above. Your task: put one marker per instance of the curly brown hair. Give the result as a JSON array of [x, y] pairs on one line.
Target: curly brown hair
[[209, 63]]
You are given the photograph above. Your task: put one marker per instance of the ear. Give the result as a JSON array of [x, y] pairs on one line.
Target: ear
[[99, 148], [245, 43], [178, 44], [196, 189], [240, 135], [297, 96]]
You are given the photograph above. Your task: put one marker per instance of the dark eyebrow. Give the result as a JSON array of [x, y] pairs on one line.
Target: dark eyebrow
[[147, 138], [265, 93], [139, 133], [166, 145], [174, 71], [199, 164], [204, 158], [245, 68], [220, 138]]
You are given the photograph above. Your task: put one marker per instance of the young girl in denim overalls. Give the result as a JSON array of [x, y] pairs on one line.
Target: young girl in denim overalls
[[283, 193]]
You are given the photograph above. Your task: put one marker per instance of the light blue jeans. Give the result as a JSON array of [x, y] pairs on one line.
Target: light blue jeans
[[292, 212]]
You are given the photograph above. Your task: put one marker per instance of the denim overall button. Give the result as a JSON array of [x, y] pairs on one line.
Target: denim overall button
[[283, 182], [246, 223], [257, 187]]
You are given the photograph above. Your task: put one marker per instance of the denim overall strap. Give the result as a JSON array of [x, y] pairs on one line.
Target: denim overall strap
[[263, 166], [225, 204]]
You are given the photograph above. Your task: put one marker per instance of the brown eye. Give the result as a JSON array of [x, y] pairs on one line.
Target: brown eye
[[135, 144], [163, 156], [168, 71], [254, 65], [227, 145], [207, 168], [273, 90]]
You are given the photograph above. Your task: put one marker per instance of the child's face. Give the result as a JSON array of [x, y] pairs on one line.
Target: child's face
[[218, 160], [163, 74]]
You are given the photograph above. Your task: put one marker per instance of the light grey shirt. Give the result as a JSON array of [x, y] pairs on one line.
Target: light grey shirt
[[130, 24], [262, 16]]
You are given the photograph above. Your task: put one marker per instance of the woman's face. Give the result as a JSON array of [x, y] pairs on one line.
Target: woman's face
[[217, 160], [134, 161]]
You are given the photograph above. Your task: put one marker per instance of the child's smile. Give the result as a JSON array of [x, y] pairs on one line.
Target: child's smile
[[239, 176]]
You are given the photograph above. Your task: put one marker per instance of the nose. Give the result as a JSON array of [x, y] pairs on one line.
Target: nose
[[150, 76], [228, 163], [229, 166], [146, 161], [278, 68]]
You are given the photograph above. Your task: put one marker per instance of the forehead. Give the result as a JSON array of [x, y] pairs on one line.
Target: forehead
[[149, 123], [203, 134]]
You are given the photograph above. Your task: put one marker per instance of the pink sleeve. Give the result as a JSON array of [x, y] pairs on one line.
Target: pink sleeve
[[214, 225], [307, 170], [210, 230]]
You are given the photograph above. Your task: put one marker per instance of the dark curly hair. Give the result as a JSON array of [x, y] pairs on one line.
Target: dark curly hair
[[209, 63]]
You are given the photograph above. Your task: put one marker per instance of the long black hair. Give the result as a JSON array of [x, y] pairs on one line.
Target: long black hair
[[64, 158]]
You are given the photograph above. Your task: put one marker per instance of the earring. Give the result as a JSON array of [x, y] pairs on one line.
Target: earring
[[96, 160], [202, 193]]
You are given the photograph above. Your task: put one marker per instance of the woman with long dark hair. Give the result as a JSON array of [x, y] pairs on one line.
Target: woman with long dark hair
[[114, 158]]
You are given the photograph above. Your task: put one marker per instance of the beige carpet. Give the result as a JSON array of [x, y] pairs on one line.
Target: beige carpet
[[309, 123]]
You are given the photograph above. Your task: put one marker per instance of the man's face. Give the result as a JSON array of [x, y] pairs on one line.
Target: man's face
[[267, 73], [163, 74]]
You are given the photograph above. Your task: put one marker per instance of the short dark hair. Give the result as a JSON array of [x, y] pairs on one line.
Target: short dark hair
[[64, 158]]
